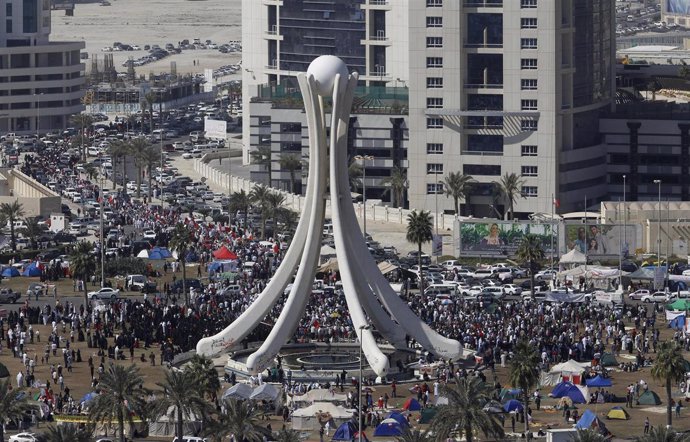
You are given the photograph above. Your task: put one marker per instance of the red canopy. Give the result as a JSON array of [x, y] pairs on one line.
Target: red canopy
[[224, 253]]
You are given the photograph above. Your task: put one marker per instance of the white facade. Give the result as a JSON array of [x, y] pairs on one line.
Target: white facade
[[42, 81], [675, 12]]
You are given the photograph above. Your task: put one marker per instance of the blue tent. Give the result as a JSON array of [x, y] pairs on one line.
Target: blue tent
[[589, 420], [160, 251], [570, 390], [560, 389], [599, 381], [10, 272], [510, 393], [155, 255], [677, 323], [348, 432], [412, 404], [402, 420], [88, 397], [192, 256], [513, 405], [32, 270], [389, 427]]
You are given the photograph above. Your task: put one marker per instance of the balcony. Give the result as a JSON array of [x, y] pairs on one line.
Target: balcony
[[483, 86], [484, 3], [484, 45]]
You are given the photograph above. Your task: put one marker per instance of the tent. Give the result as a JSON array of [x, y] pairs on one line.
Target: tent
[[618, 413], [565, 371], [265, 392], [163, 252], [590, 421], [579, 395], [642, 274], [513, 405], [386, 267], [427, 415], [573, 257], [649, 398], [33, 269], [165, 424], [326, 252], [348, 432], [4, 372], [608, 360], [238, 391], [224, 253], [317, 414], [88, 397], [144, 253], [678, 304], [388, 427], [411, 404], [192, 256], [319, 395], [509, 393], [329, 266], [402, 420], [10, 272], [599, 381], [677, 322]]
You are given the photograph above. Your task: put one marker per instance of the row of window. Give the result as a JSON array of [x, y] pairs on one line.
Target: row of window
[[437, 188], [482, 169], [526, 150], [524, 4], [526, 125]]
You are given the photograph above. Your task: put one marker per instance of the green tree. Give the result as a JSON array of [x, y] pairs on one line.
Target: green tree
[[82, 264], [138, 148], [292, 163], [397, 185], [181, 397], [669, 367], [684, 72], [12, 212], [121, 397], [419, 231], [457, 186], [411, 435], [119, 151], [240, 202], [181, 242], [259, 196], [243, 420], [203, 369], [588, 435], [663, 434], [509, 188], [354, 173], [530, 252], [82, 121], [13, 403], [285, 435], [287, 218], [32, 230], [464, 411], [150, 156], [90, 171], [151, 98], [263, 157], [524, 372], [65, 433]]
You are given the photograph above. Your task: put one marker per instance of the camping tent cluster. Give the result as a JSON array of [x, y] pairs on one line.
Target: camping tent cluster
[[264, 392]]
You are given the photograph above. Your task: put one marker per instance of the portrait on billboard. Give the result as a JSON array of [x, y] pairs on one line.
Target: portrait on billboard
[[678, 7], [501, 238], [600, 239]]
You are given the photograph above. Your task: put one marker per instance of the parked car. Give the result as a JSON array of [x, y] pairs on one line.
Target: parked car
[[657, 297], [7, 296], [24, 437], [638, 294], [512, 289], [104, 293], [545, 275]]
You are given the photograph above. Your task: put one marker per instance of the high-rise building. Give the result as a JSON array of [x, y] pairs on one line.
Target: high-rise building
[[41, 82], [675, 12], [495, 87]]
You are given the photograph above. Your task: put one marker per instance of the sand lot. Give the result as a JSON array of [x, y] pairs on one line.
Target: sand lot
[[143, 22]]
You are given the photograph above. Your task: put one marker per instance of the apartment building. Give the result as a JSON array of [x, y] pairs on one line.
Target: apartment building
[[41, 82]]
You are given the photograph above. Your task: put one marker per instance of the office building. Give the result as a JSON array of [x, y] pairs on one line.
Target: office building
[[676, 12], [41, 82]]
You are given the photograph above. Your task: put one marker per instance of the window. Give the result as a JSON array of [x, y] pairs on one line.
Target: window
[[528, 23], [528, 63], [529, 84], [528, 4], [434, 188], [434, 168], [30, 17], [528, 104], [529, 170], [434, 22], [528, 150], [434, 148], [8, 10], [529, 191], [528, 43], [434, 3], [434, 82], [528, 125], [481, 169], [435, 42], [434, 123], [434, 103], [434, 62], [8, 26]]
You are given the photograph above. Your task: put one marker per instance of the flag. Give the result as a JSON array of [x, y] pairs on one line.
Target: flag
[[556, 203]]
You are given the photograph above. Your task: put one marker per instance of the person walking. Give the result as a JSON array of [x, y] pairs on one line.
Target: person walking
[[646, 425]]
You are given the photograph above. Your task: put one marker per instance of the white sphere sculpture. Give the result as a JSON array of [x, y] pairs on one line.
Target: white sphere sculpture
[[324, 69]]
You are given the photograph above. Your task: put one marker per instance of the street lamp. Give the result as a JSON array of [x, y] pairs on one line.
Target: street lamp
[[359, 408], [658, 228], [364, 159], [625, 217], [38, 116], [100, 215]]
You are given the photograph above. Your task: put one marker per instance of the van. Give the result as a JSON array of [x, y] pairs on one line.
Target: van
[[232, 290], [328, 229], [77, 229], [135, 282], [441, 290], [496, 292], [248, 268], [483, 273]]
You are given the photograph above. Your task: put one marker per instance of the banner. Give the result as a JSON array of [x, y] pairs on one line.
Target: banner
[[600, 239], [215, 129], [503, 238], [436, 245], [678, 7]]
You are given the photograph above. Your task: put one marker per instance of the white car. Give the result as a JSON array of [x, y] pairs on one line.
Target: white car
[[512, 289], [472, 292], [638, 294], [657, 297], [149, 234], [104, 293], [545, 275], [187, 156], [24, 437]]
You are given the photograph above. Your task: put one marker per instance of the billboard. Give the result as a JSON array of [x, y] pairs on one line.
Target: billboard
[[502, 238], [678, 7], [600, 239], [215, 129]]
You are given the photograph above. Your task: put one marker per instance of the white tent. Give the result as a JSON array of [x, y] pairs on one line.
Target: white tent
[[238, 391], [265, 392], [143, 254], [556, 373], [327, 252], [311, 417], [590, 272], [573, 257], [319, 395], [165, 425]]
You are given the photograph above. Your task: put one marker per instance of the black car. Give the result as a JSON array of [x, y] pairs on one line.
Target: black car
[[527, 285], [177, 285], [49, 255]]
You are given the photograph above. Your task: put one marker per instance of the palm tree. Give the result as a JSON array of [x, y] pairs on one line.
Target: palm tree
[[457, 186], [354, 173], [397, 184], [150, 98], [274, 202], [90, 171], [82, 264], [530, 252], [509, 188], [240, 202], [121, 397], [13, 404], [244, 418], [287, 218], [259, 195], [410, 435], [464, 411], [32, 230], [181, 397], [285, 435], [83, 121], [263, 157], [524, 372], [203, 369], [669, 367], [180, 242], [663, 434], [419, 231], [292, 163], [65, 433], [137, 147], [12, 212], [588, 435], [150, 156], [119, 151]]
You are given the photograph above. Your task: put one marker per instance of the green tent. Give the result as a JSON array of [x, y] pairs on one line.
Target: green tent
[[686, 364], [679, 304], [427, 415], [649, 398], [608, 360], [4, 372]]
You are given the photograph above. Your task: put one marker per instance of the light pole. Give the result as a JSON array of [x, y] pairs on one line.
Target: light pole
[[625, 218], [38, 116], [100, 215], [364, 159], [658, 228], [359, 401]]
